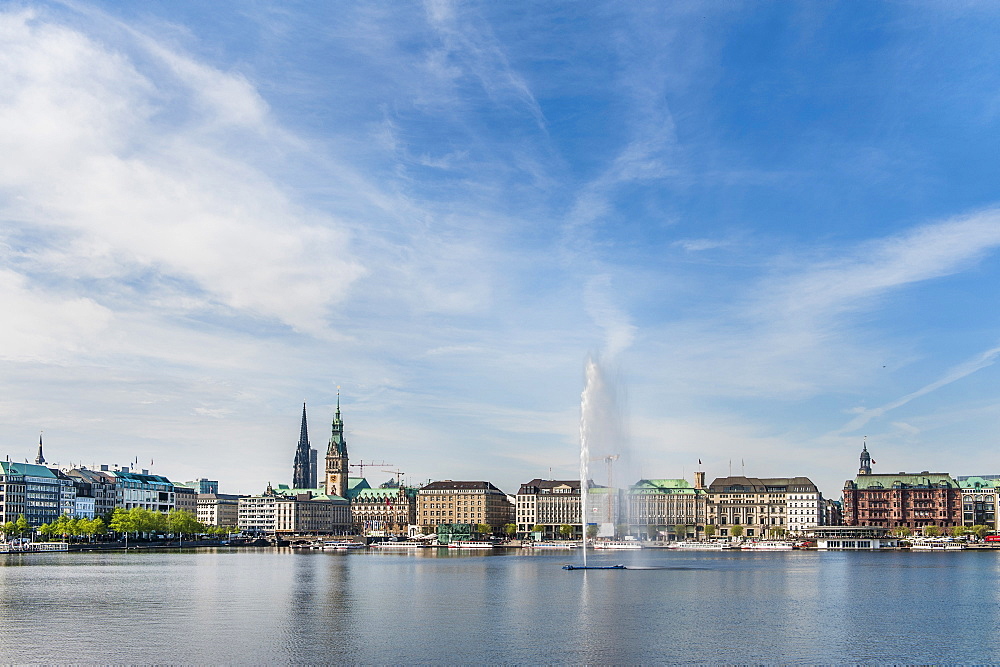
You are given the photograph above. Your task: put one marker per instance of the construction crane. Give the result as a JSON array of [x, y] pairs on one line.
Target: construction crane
[[398, 473], [610, 460], [362, 465]]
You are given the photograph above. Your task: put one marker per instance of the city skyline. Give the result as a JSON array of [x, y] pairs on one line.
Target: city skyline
[[775, 225]]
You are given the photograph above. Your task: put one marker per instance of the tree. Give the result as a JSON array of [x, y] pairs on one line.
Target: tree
[[510, 529], [736, 531], [21, 526], [9, 528], [777, 531], [680, 531], [931, 531], [710, 531], [959, 531], [46, 530], [124, 521], [592, 532], [538, 528], [651, 532], [426, 530], [565, 530], [483, 528], [180, 522], [902, 531], [980, 531]]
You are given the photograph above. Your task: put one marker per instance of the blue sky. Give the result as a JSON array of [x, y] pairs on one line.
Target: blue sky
[[776, 225]]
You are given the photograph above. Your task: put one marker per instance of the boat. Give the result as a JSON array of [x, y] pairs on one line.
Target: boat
[[933, 545], [593, 567], [407, 544], [768, 545], [623, 544], [341, 545], [470, 544], [552, 545], [700, 546]]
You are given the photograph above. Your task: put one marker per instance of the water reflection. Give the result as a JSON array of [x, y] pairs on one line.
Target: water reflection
[[291, 607]]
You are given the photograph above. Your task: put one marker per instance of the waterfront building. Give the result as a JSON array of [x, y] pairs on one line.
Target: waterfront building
[[979, 501], [29, 489], [140, 489], [301, 470], [911, 500], [288, 512], [656, 507], [549, 503], [218, 509], [853, 538], [761, 505], [67, 491], [473, 502], [84, 507], [386, 511], [186, 498], [337, 465], [100, 485]]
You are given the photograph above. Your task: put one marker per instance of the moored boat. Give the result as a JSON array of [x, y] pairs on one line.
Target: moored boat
[[552, 545], [700, 546], [342, 545], [470, 544], [620, 544], [768, 545]]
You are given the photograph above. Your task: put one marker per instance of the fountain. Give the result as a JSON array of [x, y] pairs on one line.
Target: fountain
[[597, 423]]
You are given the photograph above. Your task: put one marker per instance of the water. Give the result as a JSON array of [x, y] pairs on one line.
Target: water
[[434, 606]]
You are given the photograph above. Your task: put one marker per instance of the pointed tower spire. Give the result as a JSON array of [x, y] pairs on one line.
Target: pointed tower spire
[[337, 465], [300, 469], [40, 459]]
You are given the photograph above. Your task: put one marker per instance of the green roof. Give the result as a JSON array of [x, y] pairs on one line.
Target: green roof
[[663, 486], [977, 483], [910, 480], [29, 469]]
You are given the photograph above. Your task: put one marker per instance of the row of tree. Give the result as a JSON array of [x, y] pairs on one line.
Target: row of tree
[[136, 521]]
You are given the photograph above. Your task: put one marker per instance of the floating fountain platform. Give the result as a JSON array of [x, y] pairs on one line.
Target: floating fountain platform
[[593, 567]]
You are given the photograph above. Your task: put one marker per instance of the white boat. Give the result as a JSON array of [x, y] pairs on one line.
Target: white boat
[[768, 545], [552, 545], [936, 546], [700, 546], [470, 544], [342, 545], [407, 544], [623, 544]]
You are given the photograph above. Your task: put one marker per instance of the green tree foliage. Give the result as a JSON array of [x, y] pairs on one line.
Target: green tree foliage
[[931, 531], [483, 528], [509, 529], [680, 531], [736, 531], [565, 530], [959, 531], [182, 522], [778, 532], [592, 532], [21, 526], [902, 531], [980, 531], [710, 530], [538, 528]]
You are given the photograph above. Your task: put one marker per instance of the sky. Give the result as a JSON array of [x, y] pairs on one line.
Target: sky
[[774, 226]]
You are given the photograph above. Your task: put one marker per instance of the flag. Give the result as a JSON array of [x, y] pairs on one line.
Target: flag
[[699, 461], [873, 461]]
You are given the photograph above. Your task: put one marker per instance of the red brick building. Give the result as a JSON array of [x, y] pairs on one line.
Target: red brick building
[[913, 500]]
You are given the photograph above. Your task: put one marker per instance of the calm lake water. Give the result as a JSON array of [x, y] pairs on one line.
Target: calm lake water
[[297, 607]]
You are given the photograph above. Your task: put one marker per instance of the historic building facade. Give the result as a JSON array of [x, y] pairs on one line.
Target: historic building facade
[[658, 507], [474, 502], [901, 500], [548, 503], [979, 501], [386, 511], [761, 505], [337, 465]]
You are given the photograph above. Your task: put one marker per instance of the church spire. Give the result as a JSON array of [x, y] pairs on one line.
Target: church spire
[[40, 459], [866, 460], [300, 470]]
